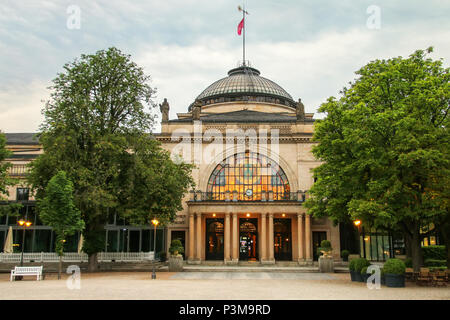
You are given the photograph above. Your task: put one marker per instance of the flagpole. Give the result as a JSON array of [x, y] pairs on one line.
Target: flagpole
[[243, 38]]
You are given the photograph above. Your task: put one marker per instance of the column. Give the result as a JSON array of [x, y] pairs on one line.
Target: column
[[271, 255], [199, 236], [263, 237], [308, 236], [235, 249], [227, 238], [191, 237], [300, 236]]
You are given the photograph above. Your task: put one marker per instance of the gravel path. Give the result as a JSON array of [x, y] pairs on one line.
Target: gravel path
[[193, 286]]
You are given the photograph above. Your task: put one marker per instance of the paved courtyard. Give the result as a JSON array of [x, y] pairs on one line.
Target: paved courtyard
[[210, 286]]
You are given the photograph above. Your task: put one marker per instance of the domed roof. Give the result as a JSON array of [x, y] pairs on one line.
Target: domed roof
[[245, 82]]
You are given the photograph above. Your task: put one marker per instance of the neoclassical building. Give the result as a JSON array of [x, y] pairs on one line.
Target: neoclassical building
[[251, 144]]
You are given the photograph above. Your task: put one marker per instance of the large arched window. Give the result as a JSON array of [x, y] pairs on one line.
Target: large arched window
[[252, 176]]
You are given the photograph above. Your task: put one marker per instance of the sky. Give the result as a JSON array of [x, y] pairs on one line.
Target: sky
[[310, 48]]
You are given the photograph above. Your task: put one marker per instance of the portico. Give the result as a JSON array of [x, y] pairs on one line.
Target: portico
[[253, 232]]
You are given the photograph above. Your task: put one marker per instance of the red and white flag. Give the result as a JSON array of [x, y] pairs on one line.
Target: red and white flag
[[240, 26]]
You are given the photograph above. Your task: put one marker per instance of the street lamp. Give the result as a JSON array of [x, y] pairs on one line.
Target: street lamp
[[24, 224], [155, 223]]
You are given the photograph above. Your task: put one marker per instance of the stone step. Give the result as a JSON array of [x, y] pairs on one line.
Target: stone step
[[248, 269]]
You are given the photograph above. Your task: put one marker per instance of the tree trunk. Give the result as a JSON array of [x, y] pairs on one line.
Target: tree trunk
[[60, 267], [408, 248], [93, 262], [447, 245], [416, 249]]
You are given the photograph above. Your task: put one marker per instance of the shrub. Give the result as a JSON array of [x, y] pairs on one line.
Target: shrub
[[434, 252], [360, 263], [345, 254], [408, 263], [432, 269], [394, 266], [325, 248], [325, 244], [176, 246], [364, 270], [435, 263], [352, 265]]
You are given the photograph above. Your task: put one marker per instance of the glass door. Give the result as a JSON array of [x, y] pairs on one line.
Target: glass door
[[282, 239], [214, 239]]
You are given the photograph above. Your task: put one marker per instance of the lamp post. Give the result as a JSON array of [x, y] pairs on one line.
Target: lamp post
[[24, 224], [357, 223], [155, 223]]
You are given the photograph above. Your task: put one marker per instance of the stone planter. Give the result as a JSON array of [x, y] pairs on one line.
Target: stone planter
[[353, 275], [175, 263], [326, 264], [395, 280]]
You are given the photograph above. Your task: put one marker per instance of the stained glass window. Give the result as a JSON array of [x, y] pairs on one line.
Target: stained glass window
[[251, 175]]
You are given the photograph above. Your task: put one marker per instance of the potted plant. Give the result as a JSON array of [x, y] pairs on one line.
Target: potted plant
[[358, 265], [351, 268], [345, 254], [326, 260], [176, 259], [394, 272], [364, 274]]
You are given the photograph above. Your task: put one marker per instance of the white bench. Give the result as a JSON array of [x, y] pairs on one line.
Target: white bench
[[27, 271]]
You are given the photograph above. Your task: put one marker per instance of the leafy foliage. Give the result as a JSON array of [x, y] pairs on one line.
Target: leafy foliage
[[385, 148], [434, 252], [6, 180], [176, 246], [358, 264], [394, 266], [97, 129], [57, 209]]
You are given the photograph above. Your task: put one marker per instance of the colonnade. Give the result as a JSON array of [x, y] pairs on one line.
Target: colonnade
[[265, 237]]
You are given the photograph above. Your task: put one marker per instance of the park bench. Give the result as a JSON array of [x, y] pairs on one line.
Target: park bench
[[27, 271]]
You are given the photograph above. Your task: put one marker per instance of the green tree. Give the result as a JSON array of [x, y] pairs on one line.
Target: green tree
[[57, 210], [97, 129], [6, 180], [385, 147]]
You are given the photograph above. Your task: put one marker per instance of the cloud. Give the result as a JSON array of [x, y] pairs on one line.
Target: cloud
[[310, 48]]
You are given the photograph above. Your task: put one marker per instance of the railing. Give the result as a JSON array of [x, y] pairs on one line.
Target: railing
[[299, 196], [77, 257], [18, 170]]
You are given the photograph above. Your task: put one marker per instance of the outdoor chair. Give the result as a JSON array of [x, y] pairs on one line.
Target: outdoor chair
[[424, 277], [439, 278], [409, 274]]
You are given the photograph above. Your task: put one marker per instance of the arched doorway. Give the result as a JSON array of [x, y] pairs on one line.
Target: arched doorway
[[248, 239], [282, 239], [214, 239]]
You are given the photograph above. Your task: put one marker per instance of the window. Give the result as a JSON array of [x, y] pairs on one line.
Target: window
[[22, 194], [251, 175]]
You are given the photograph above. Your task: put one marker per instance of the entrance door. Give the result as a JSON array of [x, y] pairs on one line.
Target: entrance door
[[179, 235], [214, 239], [248, 239], [318, 236], [282, 239]]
